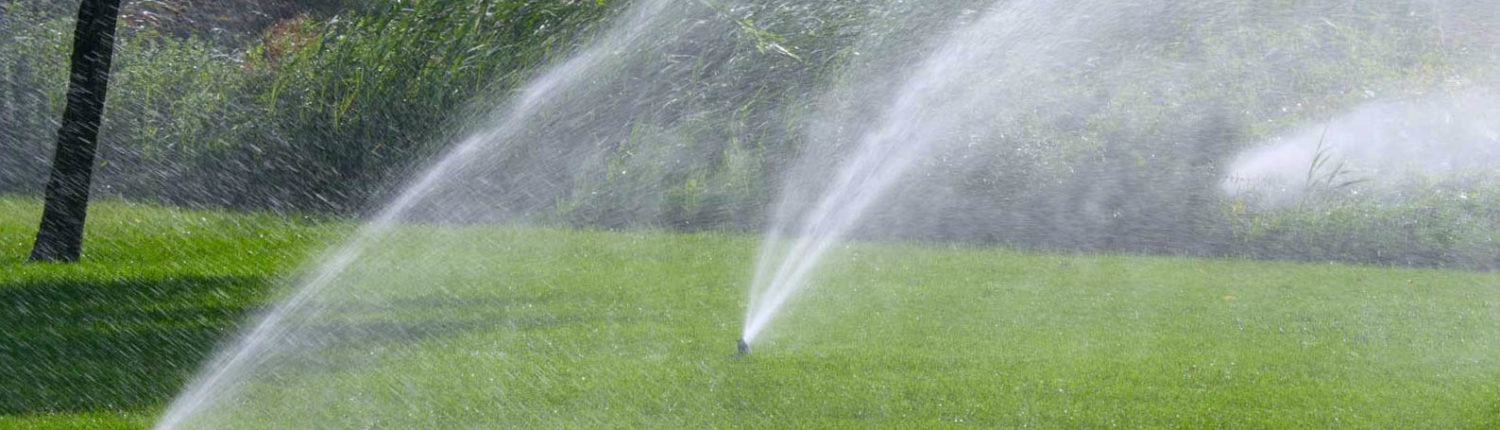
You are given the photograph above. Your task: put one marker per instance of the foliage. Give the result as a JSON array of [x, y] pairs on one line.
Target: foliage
[[327, 112], [1449, 224]]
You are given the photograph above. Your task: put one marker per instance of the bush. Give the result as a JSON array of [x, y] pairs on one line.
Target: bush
[[1121, 151]]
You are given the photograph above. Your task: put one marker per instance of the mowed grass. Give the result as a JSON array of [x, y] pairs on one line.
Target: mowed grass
[[103, 343], [506, 326]]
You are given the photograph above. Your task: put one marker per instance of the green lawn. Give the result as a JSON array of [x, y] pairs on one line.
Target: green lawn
[[514, 327]]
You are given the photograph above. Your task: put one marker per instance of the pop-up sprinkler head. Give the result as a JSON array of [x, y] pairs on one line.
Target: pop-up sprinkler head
[[744, 347]]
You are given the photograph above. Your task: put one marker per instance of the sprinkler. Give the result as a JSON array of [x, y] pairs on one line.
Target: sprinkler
[[743, 347]]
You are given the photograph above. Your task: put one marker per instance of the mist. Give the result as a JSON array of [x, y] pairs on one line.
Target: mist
[[1375, 148]]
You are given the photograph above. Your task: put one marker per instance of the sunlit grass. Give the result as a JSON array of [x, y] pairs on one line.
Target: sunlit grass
[[523, 327], [102, 343]]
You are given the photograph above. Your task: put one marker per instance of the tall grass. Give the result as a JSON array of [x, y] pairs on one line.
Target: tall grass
[[325, 113]]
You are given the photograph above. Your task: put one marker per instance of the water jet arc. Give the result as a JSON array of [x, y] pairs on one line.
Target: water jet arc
[[939, 96]]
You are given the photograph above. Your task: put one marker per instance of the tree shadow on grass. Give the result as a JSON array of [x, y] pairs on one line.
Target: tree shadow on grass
[[124, 344], [131, 344]]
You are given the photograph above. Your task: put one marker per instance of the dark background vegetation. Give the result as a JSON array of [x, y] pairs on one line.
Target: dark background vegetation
[[324, 106]]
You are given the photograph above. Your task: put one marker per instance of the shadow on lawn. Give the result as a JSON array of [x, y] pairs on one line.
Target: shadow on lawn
[[72, 346], [131, 344]]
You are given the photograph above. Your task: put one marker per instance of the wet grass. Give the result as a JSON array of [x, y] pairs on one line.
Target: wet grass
[[103, 343], [534, 327]]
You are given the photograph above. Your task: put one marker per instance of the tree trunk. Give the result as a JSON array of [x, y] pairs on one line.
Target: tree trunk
[[60, 238]]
